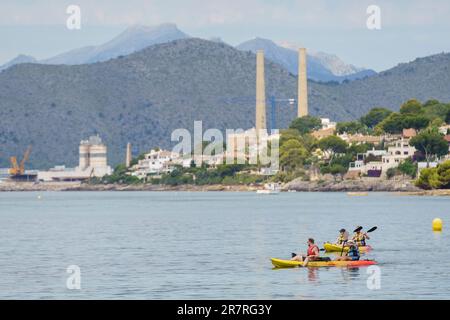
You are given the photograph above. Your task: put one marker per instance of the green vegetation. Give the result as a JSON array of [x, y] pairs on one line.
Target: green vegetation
[[224, 174], [306, 124], [406, 168], [431, 143], [415, 115], [352, 127], [375, 116], [435, 178], [120, 176], [300, 151], [332, 145]]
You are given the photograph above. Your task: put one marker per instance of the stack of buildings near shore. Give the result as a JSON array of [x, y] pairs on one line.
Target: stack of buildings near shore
[[389, 150], [373, 163]]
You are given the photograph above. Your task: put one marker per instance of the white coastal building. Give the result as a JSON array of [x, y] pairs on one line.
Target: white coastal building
[[157, 162], [383, 160], [328, 124]]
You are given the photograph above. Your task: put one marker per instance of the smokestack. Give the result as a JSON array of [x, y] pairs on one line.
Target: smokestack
[[302, 84], [260, 92], [128, 156]]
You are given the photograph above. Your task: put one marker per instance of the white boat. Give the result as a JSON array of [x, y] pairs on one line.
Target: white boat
[[270, 188]]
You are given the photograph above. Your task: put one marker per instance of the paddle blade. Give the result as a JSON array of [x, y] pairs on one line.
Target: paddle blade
[[372, 229], [358, 229]]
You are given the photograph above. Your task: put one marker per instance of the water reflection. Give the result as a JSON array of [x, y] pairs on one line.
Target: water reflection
[[312, 274]]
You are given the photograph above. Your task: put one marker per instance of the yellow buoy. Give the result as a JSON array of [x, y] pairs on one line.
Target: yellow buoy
[[437, 224]]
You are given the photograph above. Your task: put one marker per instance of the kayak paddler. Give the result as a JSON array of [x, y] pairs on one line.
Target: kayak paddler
[[343, 237], [311, 254], [352, 254], [360, 237]]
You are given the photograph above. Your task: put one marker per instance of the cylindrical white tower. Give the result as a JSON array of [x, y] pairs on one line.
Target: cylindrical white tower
[[260, 93], [302, 84], [84, 155]]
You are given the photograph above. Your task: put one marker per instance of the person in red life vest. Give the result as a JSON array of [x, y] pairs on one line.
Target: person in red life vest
[[311, 254]]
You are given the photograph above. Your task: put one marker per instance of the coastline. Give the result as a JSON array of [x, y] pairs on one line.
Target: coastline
[[400, 187]]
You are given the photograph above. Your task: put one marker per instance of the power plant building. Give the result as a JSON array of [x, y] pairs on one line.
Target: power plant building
[[93, 162]]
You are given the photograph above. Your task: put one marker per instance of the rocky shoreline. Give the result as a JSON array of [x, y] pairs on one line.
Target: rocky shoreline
[[77, 186], [357, 185], [400, 186]]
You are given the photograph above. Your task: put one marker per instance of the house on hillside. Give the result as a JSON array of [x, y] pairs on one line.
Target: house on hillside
[[409, 133], [360, 138], [323, 133], [375, 163], [155, 162], [328, 124]]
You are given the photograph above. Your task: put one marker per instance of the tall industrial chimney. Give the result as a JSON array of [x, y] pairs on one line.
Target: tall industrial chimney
[[260, 93], [302, 84], [128, 156]]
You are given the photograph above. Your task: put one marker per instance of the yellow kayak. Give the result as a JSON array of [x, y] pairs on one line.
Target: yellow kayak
[[331, 247], [280, 263]]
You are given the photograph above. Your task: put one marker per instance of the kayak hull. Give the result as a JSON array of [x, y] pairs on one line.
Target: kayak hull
[[280, 263], [331, 247]]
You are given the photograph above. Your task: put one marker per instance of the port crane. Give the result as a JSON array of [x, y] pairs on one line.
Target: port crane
[[19, 168]]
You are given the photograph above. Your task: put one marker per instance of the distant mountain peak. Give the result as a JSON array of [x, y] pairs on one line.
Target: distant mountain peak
[[21, 58], [164, 27], [132, 39], [321, 66]]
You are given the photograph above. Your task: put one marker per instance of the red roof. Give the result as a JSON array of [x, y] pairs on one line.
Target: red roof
[[409, 133]]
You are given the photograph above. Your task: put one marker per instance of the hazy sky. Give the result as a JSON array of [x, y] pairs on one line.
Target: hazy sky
[[410, 28]]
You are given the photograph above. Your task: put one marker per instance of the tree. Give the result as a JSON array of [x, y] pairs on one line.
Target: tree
[[375, 116], [429, 179], [292, 155], [351, 127], [443, 171], [435, 178], [408, 167], [306, 124], [396, 122], [332, 145], [335, 170], [391, 172], [289, 134], [431, 143], [417, 122], [412, 106]]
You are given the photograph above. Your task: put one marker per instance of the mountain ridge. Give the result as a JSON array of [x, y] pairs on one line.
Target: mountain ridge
[[141, 98], [323, 67]]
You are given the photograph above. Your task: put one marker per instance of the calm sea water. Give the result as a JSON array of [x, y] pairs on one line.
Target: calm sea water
[[145, 245]]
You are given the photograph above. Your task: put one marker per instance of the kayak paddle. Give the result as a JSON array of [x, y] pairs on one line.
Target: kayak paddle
[[370, 230], [343, 245]]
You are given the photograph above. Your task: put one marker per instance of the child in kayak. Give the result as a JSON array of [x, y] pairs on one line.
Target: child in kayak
[[311, 254], [352, 254], [360, 237], [343, 237]]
